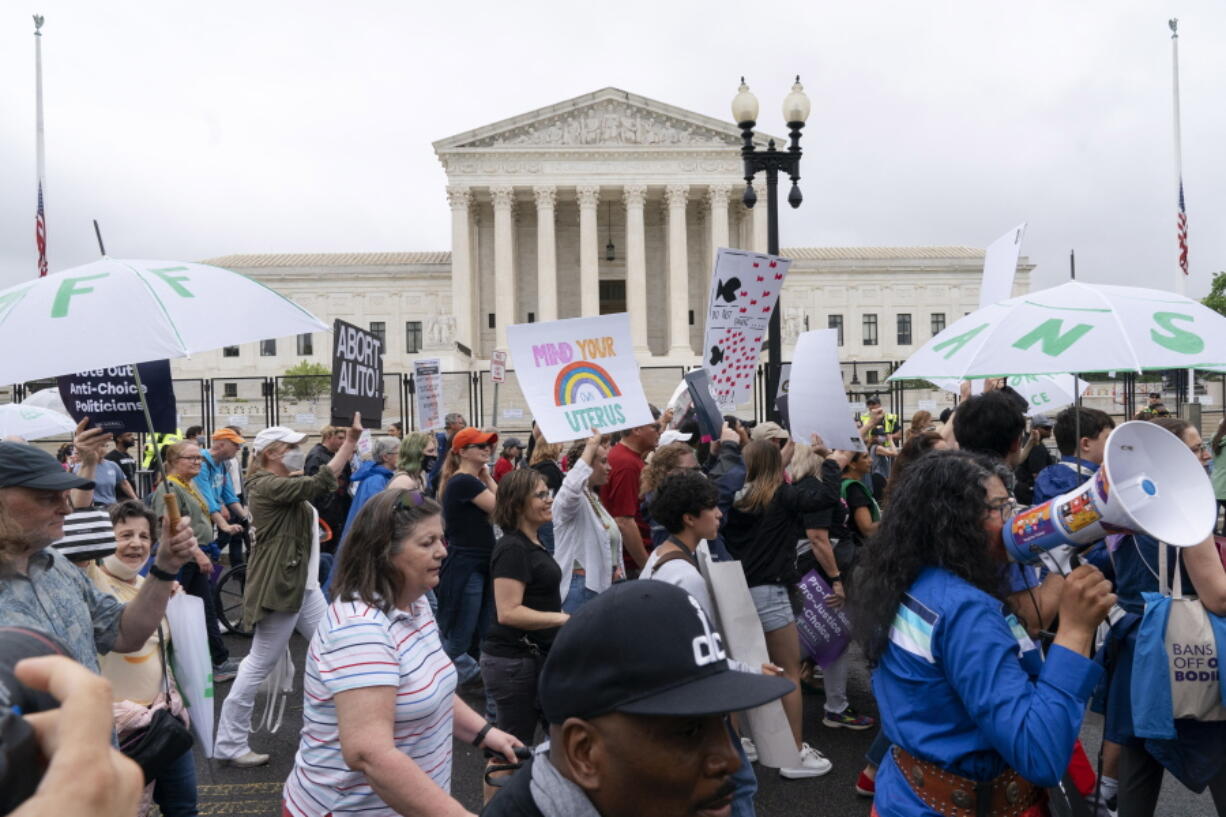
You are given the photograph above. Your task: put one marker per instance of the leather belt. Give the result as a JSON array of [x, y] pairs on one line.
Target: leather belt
[[1008, 795]]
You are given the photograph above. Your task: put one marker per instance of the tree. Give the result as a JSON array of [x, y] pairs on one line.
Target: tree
[[1216, 299], [305, 382]]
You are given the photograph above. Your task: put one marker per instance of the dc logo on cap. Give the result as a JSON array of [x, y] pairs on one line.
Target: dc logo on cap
[[708, 647]]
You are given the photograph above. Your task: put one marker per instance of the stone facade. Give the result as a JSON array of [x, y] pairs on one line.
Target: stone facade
[[537, 199]]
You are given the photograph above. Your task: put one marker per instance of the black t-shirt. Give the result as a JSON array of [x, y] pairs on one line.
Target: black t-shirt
[[466, 525], [833, 518], [127, 464], [857, 497], [515, 557], [765, 543]]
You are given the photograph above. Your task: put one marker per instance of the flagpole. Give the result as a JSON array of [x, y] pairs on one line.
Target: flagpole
[[1182, 273], [40, 218]]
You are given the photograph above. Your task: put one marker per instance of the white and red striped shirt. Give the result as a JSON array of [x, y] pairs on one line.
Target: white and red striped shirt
[[359, 646]]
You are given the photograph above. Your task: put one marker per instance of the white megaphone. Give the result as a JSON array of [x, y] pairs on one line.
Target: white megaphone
[[1150, 482]]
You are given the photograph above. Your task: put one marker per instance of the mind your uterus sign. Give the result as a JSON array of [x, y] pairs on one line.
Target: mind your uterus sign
[[579, 374]]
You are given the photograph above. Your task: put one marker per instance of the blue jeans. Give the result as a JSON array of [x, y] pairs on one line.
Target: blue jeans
[[545, 534], [472, 619], [175, 788], [881, 745], [577, 594], [744, 779]]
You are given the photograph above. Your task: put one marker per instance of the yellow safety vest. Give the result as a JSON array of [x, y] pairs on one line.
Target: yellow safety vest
[[159, 443]]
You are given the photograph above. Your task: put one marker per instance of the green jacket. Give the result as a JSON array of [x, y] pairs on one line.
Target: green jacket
[[282, 517], [202, 523]]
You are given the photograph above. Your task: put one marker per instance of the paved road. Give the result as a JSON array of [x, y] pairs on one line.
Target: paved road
[[257, 792]]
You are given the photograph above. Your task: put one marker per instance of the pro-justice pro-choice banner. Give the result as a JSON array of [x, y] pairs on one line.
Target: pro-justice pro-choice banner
[[579, 374]]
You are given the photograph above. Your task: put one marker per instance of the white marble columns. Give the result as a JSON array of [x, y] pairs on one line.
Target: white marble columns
[[546, 254], [636, 265], [678, 272], [504, 261], [759, 216], [463, 293], [717, 197], [589, 250]]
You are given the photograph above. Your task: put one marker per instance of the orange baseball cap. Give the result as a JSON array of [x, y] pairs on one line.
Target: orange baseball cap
[[472, 436], [229, 435]]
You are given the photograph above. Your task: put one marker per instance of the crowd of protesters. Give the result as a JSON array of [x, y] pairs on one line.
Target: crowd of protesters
[[462, 560]]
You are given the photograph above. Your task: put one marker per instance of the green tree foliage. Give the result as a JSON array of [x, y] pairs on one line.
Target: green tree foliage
[[305, 382], [1216, 299]]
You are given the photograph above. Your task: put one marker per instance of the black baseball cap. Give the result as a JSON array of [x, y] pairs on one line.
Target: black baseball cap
[[646, 648], [30, 467]]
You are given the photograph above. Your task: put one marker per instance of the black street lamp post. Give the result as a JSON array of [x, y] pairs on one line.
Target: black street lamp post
[[773, 161]]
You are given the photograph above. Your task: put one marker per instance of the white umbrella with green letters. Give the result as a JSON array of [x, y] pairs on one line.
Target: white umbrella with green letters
[[115, 312], [1074, 328]]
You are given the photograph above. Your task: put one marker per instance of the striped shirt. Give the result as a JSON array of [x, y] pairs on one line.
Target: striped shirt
[[359, 646]]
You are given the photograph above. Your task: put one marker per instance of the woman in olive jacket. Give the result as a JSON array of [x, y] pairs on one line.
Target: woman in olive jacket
[[282, 592]]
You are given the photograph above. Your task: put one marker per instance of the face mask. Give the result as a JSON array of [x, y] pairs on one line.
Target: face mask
[[119, 569], [294, 459], [427, 462]]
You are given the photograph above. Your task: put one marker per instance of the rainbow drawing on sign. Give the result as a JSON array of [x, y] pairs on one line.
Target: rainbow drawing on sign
[[583, 381]]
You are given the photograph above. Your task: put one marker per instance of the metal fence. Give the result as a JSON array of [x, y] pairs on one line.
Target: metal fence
[[301, 402]]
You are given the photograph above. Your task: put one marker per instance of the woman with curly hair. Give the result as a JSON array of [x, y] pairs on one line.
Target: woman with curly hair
[[667, 459], [964, 697]]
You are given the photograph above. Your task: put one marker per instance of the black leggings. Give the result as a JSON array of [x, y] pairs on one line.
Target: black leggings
[[1141, 783]]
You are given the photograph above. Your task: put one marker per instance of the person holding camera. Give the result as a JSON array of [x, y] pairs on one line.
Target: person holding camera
[[978, 723]]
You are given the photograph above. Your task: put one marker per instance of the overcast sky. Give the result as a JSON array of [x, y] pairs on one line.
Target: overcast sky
[[203, 129]]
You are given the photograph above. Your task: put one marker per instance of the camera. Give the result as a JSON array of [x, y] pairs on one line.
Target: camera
[[21, 761]]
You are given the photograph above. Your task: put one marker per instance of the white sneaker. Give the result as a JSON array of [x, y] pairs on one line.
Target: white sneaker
[[247, 760], [751, 751], [812, 764]]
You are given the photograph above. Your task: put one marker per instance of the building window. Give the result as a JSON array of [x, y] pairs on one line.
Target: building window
[[870, 330], [493, 323], [229, 390], [904, 329], [938, 323], [306, 344], [412, 336], [531, 317], [691, 317], [836, 322], [379, 330], [229, 351], [268, 348], [612, 297], [870, 377]]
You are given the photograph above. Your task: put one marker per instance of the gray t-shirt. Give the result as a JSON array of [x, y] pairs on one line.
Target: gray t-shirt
[[107, 477]]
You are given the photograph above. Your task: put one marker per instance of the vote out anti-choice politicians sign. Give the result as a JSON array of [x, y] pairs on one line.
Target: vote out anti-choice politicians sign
[[578, 374]]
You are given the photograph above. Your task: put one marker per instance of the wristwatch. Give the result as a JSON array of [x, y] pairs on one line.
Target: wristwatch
[[165, 575], [838, 579]]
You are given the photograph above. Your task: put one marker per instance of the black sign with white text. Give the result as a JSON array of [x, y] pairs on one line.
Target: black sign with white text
[[108, 397], [357, 376]]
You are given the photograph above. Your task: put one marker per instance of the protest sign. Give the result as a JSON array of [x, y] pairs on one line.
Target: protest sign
[[817, 403], [357, 376], [824, 631], [744, 290], [578, 374], [706, 412], [742, 629], [428, 383], [781, 396], [110, 399], [498, 366], [193, 666]]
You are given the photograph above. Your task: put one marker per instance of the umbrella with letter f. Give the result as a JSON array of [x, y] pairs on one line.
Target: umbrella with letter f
[[1074, 328], [115, 312]]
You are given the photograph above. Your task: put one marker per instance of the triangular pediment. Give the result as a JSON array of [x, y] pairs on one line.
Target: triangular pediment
[[604, 119]]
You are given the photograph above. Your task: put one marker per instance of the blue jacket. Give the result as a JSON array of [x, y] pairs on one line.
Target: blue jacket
[[370, 478], [955, 687], [1061, 478], [213, 483]]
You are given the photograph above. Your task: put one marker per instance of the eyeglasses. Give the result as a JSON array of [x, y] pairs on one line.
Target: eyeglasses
[[192, 459], [1007, 507], [544, 496]]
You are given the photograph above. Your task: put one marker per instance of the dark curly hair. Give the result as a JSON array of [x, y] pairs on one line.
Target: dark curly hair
[[935, 519], [685, 492], [992, 422]]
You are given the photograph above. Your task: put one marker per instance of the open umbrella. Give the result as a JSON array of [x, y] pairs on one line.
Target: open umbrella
[[1074, 328], [47, 399], [32, 422], [67, 322]]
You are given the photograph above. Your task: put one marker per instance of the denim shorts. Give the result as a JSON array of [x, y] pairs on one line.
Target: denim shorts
[[774, 608]]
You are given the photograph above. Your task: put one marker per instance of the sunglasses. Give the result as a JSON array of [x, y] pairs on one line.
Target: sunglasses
[[482, 446]]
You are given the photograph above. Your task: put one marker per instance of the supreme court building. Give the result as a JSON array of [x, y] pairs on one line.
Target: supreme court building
[[609, 202]]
